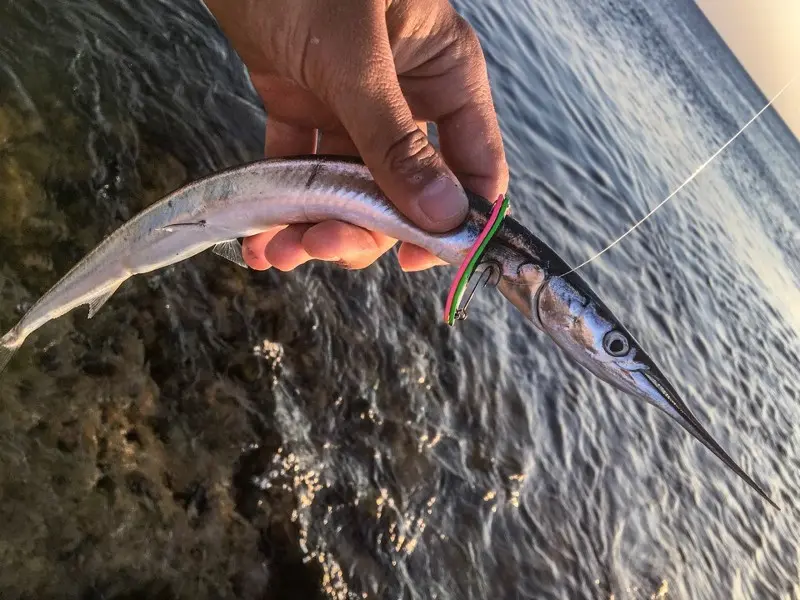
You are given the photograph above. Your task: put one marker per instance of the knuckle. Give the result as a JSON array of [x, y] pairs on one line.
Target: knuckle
[[411, 154], [466, 38]]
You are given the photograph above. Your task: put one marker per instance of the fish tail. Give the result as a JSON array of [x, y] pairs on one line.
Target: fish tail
[[9, 344]]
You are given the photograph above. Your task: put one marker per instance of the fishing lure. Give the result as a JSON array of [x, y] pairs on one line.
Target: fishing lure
[[467, 268]]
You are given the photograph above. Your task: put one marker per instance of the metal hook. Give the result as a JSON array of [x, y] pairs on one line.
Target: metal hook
[[471, 262], [486, 277]]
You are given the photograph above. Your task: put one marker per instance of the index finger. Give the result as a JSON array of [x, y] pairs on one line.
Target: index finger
[[453, 90]]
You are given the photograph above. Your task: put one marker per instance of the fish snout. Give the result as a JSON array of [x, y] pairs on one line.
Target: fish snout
[[656, 389]]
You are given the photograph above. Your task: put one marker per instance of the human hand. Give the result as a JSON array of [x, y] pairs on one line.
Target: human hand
[[368, 75]]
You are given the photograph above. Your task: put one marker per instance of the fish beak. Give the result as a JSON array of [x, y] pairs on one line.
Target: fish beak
[[658, 391]]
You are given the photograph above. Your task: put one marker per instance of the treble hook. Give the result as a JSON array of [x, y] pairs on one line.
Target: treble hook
[[486, 277], [471, 261]]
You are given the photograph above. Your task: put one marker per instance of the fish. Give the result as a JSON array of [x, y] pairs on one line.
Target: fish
[[214, 212]]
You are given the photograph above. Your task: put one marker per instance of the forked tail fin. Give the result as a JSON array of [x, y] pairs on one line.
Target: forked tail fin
[[9, 344]]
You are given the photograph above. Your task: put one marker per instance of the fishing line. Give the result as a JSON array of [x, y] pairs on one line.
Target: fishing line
[[689, 180]]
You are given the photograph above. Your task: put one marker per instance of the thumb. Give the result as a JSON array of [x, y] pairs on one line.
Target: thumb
[[397, 152]]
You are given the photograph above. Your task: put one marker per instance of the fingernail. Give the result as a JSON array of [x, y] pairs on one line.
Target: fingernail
[[443, 202]]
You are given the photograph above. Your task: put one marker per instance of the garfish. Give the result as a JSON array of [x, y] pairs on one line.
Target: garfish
[[217, 210]]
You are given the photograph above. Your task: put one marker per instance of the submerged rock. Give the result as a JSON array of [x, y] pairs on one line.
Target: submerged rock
[[23, 197]]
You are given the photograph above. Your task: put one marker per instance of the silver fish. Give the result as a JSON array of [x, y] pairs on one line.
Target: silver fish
[[215, 211]]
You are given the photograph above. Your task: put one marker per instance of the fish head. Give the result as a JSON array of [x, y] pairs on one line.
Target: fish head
[[581, 325]]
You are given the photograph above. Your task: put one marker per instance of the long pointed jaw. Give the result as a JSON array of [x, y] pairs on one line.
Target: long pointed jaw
[[658, 391]]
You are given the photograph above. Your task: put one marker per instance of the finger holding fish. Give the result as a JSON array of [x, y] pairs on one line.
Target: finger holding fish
[[413, 258], [340, 241], [285, 250], [333, 241], [253, 249]]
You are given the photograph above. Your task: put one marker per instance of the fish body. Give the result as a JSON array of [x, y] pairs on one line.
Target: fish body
[[239, 202], [221, 208]]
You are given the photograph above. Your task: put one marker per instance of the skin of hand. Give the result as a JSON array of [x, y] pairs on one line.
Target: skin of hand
[[363, 78]]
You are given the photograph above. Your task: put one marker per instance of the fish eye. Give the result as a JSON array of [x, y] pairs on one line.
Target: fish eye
[[616, 344]]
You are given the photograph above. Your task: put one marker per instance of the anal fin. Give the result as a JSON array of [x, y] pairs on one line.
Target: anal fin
[[231, 250], [97, 302]]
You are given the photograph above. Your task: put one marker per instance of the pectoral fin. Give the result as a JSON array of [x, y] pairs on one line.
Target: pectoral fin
[[97, 302], [190, 225], [232, 250]]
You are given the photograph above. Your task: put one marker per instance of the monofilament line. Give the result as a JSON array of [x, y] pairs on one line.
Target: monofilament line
[[689, 180]]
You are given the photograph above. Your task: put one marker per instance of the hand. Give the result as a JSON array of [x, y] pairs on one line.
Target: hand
[[368, 75]]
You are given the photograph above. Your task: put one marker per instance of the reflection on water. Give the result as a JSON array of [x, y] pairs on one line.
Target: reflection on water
[[215, 432]]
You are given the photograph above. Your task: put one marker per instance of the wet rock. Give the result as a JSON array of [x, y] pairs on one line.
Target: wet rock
[[12, 126], [23, 196], [19, 118]]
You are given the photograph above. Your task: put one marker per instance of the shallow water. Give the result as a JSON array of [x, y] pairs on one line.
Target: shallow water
[[218, 433]]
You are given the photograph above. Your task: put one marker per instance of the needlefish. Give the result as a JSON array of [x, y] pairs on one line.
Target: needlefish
[[217, 210]]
